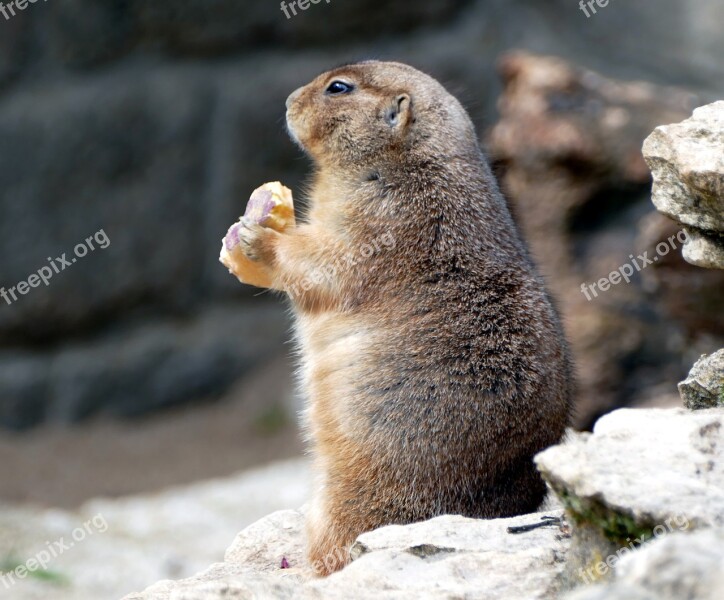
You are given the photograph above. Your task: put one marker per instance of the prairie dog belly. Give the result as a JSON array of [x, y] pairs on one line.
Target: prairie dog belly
[[335, 356]]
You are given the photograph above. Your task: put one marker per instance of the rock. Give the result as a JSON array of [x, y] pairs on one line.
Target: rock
[[145, 183], [704, 387], [640, 475], [703, 250], [446, 557], [264, 544], [670, 568], [451, 557], [644, 494], [93, 146], [687, 162]]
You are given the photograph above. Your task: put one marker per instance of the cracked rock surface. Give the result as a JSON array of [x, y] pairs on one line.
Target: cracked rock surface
[[445, 557]]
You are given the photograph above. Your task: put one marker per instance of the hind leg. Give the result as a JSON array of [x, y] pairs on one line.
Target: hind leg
[[329, 539]]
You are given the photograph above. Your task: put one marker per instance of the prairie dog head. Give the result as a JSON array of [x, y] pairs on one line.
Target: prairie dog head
[[364, 116]]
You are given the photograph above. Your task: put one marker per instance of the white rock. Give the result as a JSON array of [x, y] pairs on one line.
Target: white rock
[[454, 557], [687, 162], [446, 557], [655, 467]]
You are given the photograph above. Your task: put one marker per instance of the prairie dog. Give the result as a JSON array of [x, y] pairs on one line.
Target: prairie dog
[[434, 367]]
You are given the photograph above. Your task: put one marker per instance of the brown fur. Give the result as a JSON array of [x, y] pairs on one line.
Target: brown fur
[[436, 367]]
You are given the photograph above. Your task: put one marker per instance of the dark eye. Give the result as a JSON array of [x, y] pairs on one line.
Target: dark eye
[[339, 87]]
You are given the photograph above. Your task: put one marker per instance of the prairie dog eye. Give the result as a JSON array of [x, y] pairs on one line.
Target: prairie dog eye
[[338, 87]]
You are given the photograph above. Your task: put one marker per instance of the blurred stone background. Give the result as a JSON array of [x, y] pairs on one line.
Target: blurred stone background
[[155, 120]]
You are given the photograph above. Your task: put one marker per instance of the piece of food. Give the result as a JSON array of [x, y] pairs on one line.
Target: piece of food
[[270, 205]]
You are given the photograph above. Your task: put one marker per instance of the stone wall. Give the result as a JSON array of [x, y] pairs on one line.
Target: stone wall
[[154, 120]]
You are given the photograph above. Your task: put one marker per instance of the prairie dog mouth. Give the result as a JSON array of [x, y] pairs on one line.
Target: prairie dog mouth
[[292, 133]]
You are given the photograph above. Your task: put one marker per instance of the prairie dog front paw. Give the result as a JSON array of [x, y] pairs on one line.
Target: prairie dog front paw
[[248, 249], [255, 241]]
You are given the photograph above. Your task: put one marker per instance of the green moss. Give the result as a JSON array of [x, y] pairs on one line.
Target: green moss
[[618, 528]]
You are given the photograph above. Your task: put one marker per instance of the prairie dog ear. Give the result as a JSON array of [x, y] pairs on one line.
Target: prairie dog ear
[[399, 114]]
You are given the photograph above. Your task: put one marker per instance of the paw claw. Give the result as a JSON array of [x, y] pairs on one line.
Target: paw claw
[[247, 236]]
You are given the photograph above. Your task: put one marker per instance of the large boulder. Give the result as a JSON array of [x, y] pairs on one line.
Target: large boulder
[[641, 475], [126, 373]]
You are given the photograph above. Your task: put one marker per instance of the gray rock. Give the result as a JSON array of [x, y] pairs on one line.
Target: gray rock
[[641, 474], [23, 388], [687, 162], [453, 557], [262, 545], [79, 160], [677, 566], [704, 386], [703, 249]]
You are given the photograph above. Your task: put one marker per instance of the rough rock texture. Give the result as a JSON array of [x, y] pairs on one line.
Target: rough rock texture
[[568, 151], [671, 568], [704, 387], [172, 534], [641, 474], [687, 162], [446, 557]]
